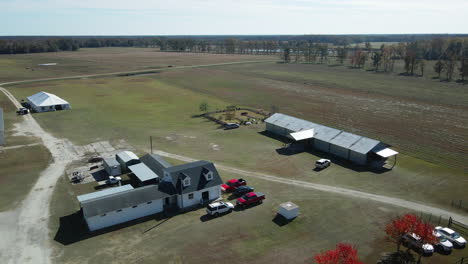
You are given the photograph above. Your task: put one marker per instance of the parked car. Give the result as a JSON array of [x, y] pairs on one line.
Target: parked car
[[322, 163], [231, 126], [113, 180], [218, 208], [411, 240], [232, 184], [250, 198], [241, 190], [451, 235], [22, 111], [443, 244], [94, 159]]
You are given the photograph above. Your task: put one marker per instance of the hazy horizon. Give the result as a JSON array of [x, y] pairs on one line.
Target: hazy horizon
[[222, 17]]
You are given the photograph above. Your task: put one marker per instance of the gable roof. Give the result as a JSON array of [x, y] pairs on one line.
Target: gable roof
[[46, 99], [125, 199], [90, 196], [156, 163], [345, 139], [142, 172], [111, 162], [194, 170], [126, 156]]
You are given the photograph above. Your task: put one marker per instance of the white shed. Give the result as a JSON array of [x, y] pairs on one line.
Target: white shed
[[112, 167], [126, 158], [288, 210], [45, 102]]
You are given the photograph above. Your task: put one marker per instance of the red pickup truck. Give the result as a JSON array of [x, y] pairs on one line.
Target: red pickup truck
[[250, 198], [232, 184]]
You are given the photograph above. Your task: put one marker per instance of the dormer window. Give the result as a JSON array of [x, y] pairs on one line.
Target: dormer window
[[186, 182], [208, 175]]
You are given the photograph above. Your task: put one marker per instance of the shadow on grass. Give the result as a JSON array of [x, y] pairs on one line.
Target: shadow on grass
[[100, 175], [295, 149], [208, 217], [73, 227], [398, 258], [281, 220]]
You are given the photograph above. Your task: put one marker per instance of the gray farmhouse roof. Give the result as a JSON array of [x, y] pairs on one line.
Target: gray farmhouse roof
[[142, 172], [120, 200], [156, 163], [194, 170], [330, 135]]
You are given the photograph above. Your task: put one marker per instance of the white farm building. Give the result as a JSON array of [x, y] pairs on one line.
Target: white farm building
[[179, 187], [45, 102], [357, 149]]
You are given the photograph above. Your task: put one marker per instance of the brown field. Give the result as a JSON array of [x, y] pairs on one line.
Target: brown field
[[102, 60]]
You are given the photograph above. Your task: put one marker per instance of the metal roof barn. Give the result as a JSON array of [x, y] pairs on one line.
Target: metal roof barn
[[142, 172], [355, 148], [126, 158], [44, 102], [100, 194]]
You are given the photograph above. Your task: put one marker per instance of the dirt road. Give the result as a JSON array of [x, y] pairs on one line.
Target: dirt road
[[338, 190], [25, 232]]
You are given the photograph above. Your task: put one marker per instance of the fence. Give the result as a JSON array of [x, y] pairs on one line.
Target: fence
[[463, 260], [460, 227], [459, 204]]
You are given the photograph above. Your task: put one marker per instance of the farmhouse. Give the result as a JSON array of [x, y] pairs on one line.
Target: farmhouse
[[357, 149], [2, 129], [45, 102], [175, 187]]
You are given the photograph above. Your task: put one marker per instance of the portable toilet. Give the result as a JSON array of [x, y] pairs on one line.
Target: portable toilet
[[288, 210]]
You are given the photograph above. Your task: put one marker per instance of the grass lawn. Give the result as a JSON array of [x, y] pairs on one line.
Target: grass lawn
[[134, 108], [248, 235], [19, 168], [102, 60]]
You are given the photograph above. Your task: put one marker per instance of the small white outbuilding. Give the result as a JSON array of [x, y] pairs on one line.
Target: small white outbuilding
[[288, 210], [45, 102], [112, 166]]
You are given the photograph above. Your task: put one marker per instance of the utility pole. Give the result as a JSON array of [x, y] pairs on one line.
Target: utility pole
[[151, 144]]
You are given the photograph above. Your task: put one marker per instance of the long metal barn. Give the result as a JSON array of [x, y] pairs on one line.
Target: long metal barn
[[357, 149]]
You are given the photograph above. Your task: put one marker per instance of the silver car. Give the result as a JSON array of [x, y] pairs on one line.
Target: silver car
[[444, 243], [452, 236]]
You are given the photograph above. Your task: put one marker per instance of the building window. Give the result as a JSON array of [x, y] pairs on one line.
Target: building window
[[209, 175], [150, 202], [190, 196], [135, 206], [120, 210], [186, 182], [43, 108]]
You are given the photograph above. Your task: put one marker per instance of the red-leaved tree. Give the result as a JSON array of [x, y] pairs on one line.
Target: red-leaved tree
[[342, 254], [425, 232], [400, 226]]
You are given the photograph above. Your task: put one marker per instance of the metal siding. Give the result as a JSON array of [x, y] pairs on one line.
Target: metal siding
[[364, 145], [104, 193], [321, 145], [345, 140], [357, 157], [127, 214], [339, 151]]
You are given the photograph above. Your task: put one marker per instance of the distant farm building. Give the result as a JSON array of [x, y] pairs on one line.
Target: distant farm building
[[45, 102], [166, 187], [126, 159], [2, 129], [357, 149]]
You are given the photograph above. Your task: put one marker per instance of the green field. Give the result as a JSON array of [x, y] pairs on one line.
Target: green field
[[246, 236], [423, 119], [19, 167], [86, 61]]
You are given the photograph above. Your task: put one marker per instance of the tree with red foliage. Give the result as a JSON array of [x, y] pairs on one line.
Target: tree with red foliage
[[425, 232], [342, 254], [400, 226]]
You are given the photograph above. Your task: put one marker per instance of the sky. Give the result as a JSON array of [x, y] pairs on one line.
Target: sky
[[231, 17]]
